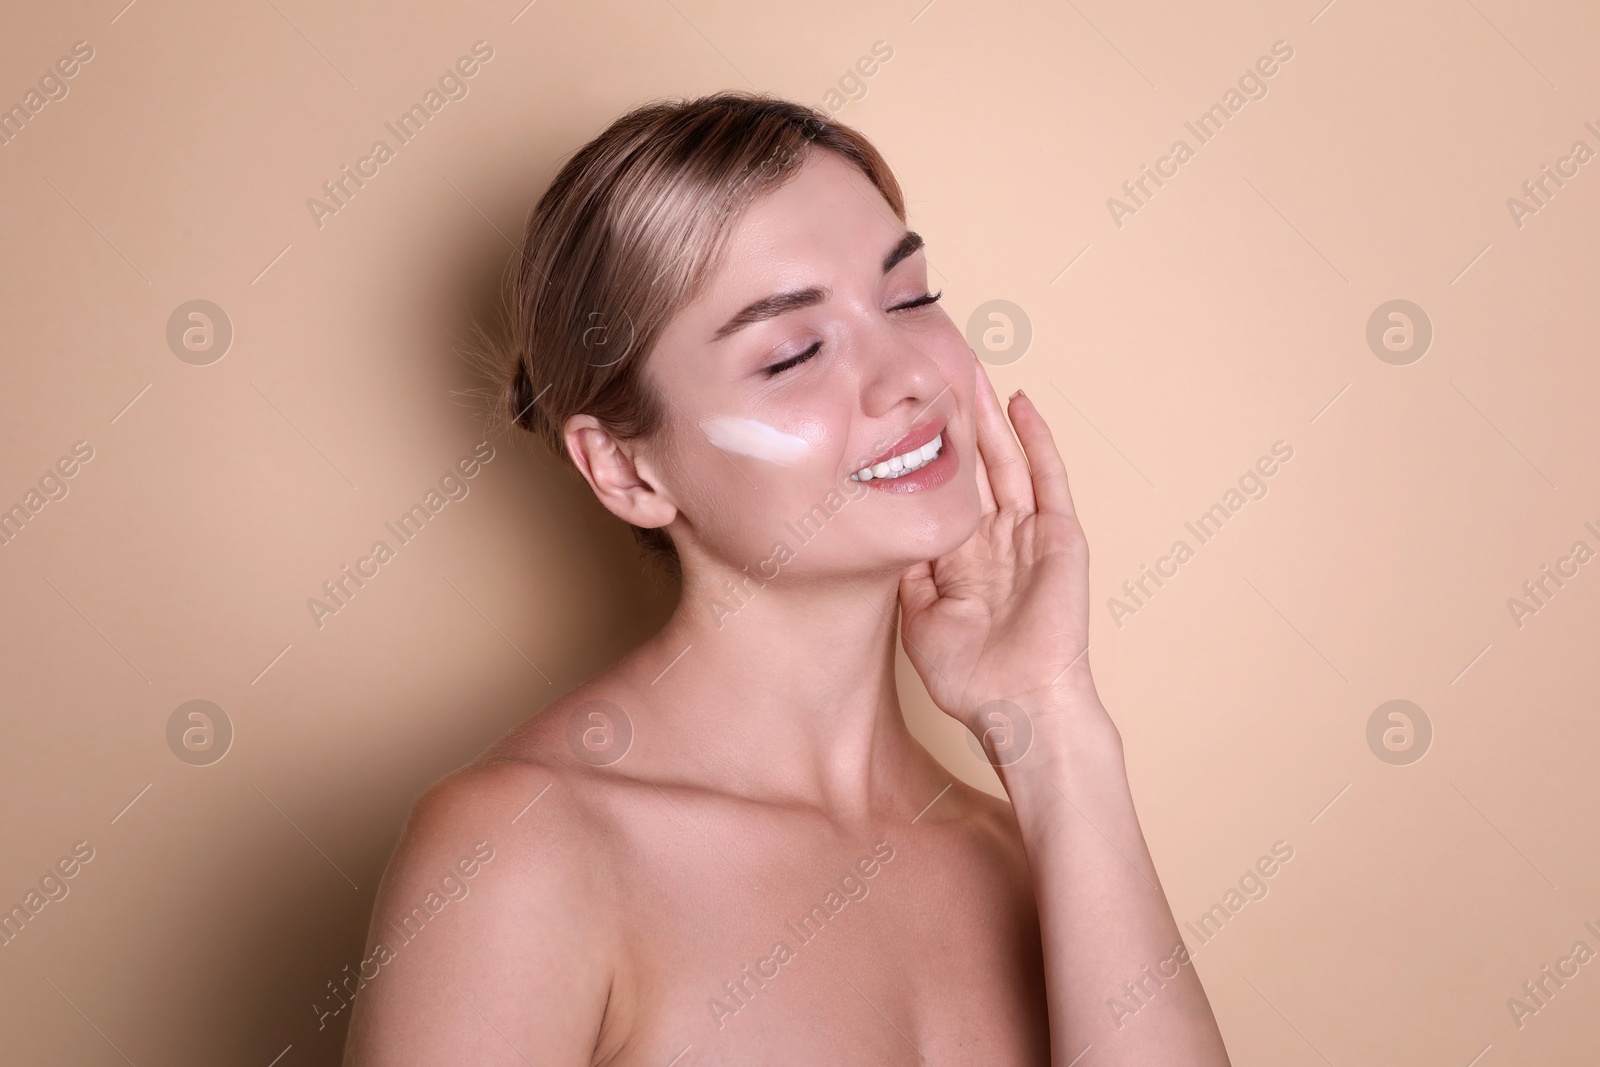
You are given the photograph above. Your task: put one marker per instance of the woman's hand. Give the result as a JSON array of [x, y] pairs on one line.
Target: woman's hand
[[1006, 615]]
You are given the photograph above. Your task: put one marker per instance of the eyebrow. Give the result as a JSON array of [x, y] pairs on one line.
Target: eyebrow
[[778, 303]]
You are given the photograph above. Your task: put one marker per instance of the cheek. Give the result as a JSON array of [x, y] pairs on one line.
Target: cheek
[[752, 437], [746, 478]]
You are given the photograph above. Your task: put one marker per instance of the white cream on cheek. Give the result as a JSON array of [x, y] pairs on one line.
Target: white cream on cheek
[[751, 437]]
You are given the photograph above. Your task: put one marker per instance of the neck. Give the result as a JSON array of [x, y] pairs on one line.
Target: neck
[[783, 691]]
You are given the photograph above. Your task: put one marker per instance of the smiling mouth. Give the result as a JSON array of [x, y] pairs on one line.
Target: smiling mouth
[[913, 452]]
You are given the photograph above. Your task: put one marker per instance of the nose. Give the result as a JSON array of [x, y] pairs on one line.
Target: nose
[[897, 371]]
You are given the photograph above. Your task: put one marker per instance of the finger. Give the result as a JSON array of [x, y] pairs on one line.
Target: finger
[[985, 490], [917, 589], [1002, 456], [1050, 489]]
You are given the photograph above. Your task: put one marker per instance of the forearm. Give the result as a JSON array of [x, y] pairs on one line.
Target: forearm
[[1117, 976]]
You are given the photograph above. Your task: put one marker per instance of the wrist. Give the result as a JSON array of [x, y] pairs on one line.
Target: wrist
[[1033, 742]]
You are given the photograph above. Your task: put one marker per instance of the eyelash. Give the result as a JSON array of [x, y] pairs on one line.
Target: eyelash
[[778, 368]]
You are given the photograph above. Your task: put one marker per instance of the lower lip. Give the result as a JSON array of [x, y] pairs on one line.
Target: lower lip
[[931, 476]]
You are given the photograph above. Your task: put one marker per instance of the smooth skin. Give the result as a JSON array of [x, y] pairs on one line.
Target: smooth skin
[[647, 899]]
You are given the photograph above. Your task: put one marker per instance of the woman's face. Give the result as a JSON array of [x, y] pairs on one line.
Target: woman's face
[[812, 353]]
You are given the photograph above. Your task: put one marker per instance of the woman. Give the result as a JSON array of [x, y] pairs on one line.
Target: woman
[[728, 848]]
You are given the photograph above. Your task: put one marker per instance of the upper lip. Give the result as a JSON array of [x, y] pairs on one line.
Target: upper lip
[[918, 437]]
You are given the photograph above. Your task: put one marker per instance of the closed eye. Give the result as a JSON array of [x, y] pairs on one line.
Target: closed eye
[[778, 368], [794, 361], [920, 301]]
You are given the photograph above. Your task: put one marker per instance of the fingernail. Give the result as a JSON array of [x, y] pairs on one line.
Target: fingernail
[[1014, 395]]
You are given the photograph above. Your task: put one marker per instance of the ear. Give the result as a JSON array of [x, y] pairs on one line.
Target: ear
[[619, 477]]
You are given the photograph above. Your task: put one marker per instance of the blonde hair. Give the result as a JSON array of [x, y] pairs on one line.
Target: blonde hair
[[629, 232]]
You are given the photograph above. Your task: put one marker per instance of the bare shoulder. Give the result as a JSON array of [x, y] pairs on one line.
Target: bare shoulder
[[550, 783], [500, 896], [530, 795], [992, 826]]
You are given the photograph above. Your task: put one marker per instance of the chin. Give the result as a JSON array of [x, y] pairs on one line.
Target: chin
[[933, 536], [959, 533]]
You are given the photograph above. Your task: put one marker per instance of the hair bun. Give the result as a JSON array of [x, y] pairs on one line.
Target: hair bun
[[522, 398]]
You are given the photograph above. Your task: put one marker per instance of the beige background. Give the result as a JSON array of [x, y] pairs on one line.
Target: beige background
[[1228, 313]]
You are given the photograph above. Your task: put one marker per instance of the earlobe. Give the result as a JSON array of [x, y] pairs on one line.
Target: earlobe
[[618, 474]]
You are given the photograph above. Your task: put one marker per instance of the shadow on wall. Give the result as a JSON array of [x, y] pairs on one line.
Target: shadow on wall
[[544, 517]]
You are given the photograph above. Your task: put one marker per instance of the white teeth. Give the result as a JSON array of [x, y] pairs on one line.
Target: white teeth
[[901, 465]]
